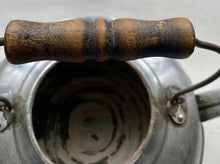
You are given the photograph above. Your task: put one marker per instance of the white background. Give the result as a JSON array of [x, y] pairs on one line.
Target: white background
[[204, 14]]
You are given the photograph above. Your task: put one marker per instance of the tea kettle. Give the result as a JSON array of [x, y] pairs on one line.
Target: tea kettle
[[113, 110]]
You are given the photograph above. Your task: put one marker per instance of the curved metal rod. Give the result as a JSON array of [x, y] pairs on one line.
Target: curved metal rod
[[1, 41], [205, 45], [5, 102], [196, 86]]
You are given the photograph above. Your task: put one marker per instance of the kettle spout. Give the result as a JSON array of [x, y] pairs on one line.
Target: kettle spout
[[209, 105]]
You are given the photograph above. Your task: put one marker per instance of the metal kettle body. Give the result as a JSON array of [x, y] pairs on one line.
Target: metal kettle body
[[111, 112]]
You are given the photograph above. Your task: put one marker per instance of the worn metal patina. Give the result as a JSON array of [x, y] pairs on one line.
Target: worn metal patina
[[58, 122]]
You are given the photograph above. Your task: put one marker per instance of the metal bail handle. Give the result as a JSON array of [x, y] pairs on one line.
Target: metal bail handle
[[121, 39], [6, 113]]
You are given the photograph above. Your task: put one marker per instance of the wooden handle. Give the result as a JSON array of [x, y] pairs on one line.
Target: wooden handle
[[79, 40]]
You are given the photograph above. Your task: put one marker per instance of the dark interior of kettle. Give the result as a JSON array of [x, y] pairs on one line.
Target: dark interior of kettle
[[91, 113]]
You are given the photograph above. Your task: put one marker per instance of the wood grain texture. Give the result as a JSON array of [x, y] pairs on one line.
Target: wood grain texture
[[79, 40]]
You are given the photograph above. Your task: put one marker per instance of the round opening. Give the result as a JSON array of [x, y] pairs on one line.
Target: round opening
[[91, 113]]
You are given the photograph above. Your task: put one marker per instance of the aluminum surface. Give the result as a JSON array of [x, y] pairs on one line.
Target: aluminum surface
[[21, 82]]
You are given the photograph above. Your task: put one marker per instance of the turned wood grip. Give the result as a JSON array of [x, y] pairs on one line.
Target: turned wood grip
[[79, 40]]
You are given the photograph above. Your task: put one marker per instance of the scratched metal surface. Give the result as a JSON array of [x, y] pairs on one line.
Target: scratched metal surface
[[203, 14]]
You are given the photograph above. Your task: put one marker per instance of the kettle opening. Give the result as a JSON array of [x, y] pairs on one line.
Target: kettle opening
[[91, 113]]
